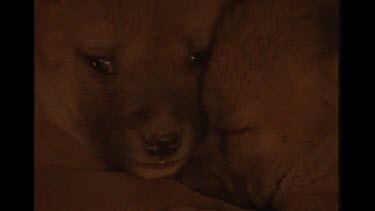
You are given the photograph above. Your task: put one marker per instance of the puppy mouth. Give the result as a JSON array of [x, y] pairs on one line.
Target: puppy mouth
[[161, 163], [162, 168]]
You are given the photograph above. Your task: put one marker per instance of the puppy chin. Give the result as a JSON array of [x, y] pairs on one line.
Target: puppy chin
[[155, 170]]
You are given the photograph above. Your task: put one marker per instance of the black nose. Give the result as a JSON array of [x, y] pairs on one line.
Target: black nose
[[162, 146]]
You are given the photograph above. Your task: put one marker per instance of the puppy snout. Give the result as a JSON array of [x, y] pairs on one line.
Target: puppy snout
[[162, 145]]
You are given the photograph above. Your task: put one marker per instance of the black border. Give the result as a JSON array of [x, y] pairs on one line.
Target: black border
[[19, 102]]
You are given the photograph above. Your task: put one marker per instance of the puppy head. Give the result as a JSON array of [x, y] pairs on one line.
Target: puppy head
[[122, 76], [272, 81]]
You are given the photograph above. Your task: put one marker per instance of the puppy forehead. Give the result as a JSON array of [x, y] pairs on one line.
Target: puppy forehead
[[121, 11], [114, 20]]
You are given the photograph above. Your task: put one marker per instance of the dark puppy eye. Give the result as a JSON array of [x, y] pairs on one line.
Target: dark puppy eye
[[197, 59], [101, 65]]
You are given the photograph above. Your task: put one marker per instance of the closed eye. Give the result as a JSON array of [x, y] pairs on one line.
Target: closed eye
[[235, 131], [197, 59]]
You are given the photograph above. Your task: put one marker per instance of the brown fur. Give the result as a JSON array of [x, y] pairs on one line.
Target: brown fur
[[271, 91], [87, 123], [153, 90]]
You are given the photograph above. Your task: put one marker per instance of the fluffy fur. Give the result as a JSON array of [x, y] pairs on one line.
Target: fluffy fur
[[153, 91], [87, 123], [271, 91]]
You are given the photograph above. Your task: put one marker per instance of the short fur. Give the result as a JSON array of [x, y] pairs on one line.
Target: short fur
[[153, 90], [87, 123], [271, 91]]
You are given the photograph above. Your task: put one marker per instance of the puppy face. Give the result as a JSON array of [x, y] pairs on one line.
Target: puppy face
[[271, 86], [123, 76]]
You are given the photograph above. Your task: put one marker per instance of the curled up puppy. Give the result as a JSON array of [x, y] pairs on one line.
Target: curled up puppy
[[271, 92]]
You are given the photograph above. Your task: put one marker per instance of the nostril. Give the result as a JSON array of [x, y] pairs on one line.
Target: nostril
[[163, 145]]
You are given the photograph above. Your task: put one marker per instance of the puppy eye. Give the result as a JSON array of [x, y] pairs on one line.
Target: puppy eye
[[101, 65], [197, 59]]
